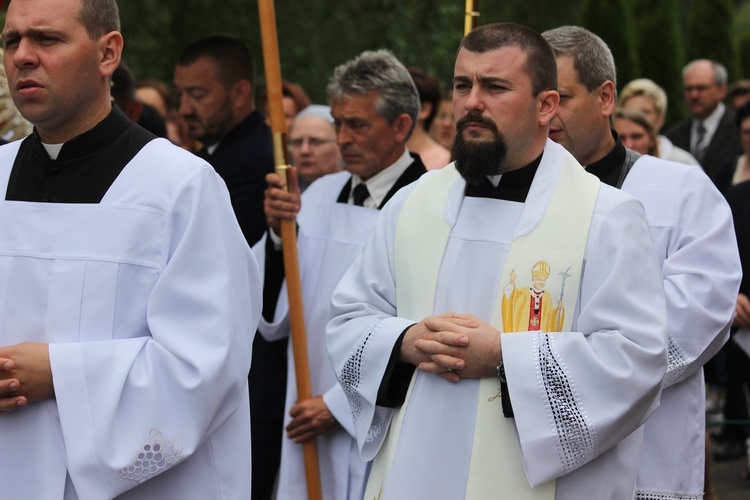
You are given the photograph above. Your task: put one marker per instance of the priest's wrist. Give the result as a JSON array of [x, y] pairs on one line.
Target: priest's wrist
[[500, 366]]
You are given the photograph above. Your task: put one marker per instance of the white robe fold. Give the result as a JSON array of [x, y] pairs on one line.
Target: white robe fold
[[149, 302], [330, 236], [604, 376], [693, 234]]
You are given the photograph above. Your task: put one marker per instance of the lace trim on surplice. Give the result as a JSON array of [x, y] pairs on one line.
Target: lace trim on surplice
[[576, 441], [350, 378], [677, 363], [666, 495]]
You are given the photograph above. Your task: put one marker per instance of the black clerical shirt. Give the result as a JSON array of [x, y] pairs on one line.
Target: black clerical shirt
[[513, 185], [609, 168], [85, 168]]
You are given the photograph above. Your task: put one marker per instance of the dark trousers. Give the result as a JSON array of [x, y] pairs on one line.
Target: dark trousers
[[267, 383], [266, 447], [735, 405]]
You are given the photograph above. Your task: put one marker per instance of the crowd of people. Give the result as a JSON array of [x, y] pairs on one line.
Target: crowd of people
[[511, 286]]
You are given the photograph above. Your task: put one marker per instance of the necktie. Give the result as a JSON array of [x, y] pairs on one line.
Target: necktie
[[700, 147], [360, 194]]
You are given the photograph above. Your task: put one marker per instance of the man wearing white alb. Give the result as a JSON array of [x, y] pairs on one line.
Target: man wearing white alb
[[450, 407], [691, 227], [374, 104], [129, 297]]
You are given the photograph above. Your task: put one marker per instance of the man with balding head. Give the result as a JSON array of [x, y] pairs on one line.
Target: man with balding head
[[710, 134]]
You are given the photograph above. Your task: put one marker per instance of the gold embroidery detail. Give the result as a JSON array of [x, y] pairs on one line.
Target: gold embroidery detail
[[496, 396]]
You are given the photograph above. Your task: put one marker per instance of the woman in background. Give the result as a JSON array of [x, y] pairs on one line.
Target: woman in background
[[635, 131]]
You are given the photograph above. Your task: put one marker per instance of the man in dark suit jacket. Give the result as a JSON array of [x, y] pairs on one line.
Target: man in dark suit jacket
[[730, 442], [711, 134], [215, 79]]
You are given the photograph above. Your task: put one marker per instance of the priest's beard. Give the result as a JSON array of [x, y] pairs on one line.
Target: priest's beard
[[477, 159]]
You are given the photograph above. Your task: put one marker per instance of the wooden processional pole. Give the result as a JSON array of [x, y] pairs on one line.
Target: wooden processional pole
[[288, 234]]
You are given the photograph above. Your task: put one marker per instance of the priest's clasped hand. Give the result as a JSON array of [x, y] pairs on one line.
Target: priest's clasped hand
[[454, 346], [25, 375]]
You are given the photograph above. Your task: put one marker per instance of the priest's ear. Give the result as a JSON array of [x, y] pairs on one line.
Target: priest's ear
[[547, 101], [607, 97], [109, 51]]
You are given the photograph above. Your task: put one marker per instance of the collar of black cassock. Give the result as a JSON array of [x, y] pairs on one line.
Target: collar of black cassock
[[513, 185]]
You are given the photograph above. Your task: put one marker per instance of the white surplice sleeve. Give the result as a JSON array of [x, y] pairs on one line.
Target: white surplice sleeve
[[278, 327], [577, 394], [365, 327], [185, 376], [701, 267]]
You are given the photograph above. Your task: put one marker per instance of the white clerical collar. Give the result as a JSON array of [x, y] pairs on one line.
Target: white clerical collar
[[211, 148], [379, 184], [711, 123], [53, 150], [495, 179]]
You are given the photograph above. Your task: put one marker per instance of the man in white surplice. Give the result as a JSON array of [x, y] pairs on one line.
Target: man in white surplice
[[374, 104], [691, 226], [129, 296], [447, 404]]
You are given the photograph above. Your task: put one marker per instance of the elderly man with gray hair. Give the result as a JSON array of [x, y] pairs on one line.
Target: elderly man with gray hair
[[374, 104]]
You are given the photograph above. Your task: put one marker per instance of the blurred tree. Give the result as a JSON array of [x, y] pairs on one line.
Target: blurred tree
[[314, 36], [661, 49], [317, 35], [156, 31], [613, 22], [742, 29], [543, 15], [711, 35]]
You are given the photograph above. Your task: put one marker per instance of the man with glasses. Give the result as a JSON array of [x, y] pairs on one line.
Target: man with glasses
[[374, 104], [710, 133], [312, 145]]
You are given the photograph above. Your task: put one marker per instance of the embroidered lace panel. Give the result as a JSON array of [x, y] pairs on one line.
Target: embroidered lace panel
[[677, 363], [667, 495], [576, 440], [154, 458], [350, 378]]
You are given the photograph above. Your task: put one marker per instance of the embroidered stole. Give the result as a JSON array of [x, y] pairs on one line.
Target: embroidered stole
[[558, 241]]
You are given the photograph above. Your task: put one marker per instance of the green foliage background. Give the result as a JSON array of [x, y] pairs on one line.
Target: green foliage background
[[661, 48], [613, 21], [650, 38]]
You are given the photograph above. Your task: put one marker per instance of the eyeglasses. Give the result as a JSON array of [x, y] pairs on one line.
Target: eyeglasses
[[688, 89], [314, 142]]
